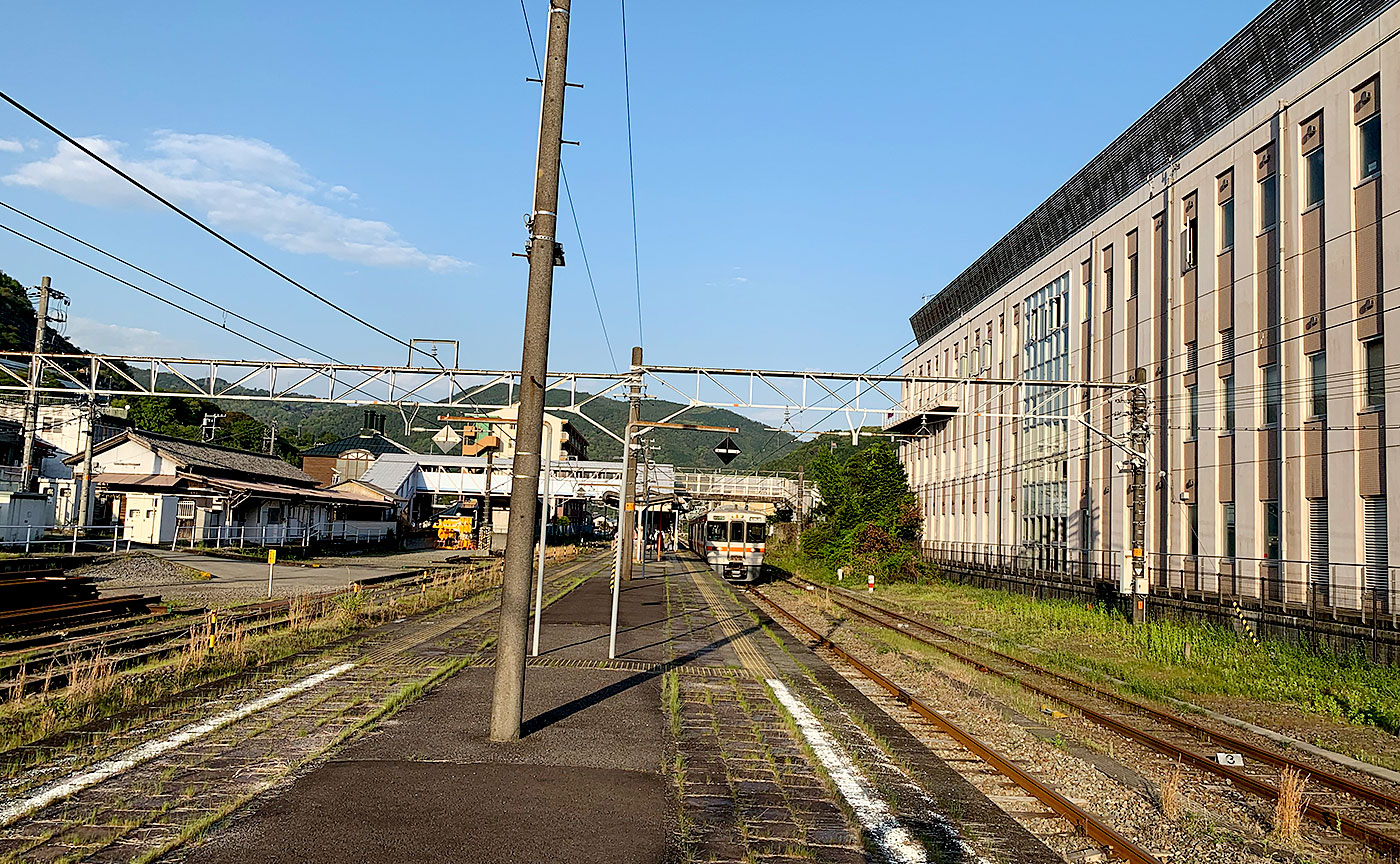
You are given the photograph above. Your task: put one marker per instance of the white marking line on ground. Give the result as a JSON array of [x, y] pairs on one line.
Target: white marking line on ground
[[127, 759], [874, 814]]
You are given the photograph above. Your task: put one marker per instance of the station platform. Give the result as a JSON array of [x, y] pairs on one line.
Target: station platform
[[678, 750]]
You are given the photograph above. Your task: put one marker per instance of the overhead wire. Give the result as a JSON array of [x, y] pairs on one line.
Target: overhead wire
[[167, 282], [73, 142], [136, 287], [573, 213], [632, 176]]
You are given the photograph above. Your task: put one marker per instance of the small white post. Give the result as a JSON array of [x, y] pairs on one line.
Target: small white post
[[840, 574], [617, 563], [75, 539], [544, 533], [870, 582], [28, 533], [271, 566]]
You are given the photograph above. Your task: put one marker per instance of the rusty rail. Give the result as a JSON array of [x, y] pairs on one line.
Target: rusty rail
[[1100, 833], [1316, 812]]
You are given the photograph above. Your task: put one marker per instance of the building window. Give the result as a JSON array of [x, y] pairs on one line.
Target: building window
[[1273, 395], [1133, 276], [1368, 134], [1318, 545], [1375, 374], [1044, 439], [1192, 357], [1108, 288], [1313, 170], [1229, 385], [1271, 547], [1268, 202], [1194, 402], [1227, 345], [1193, 542], [1190, 242], [1377, 539], [1318, 369], [1227, 225], [1227, 520]]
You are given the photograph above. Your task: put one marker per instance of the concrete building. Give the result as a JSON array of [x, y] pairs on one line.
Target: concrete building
[[1233, 244], [65, 426], [564, 439]]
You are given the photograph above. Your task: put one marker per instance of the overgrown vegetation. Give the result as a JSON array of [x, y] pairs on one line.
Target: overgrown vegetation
[[98, 690], [868, 521], [1150, 659]]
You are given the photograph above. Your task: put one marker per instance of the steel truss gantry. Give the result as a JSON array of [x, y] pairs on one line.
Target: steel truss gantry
[[874, 398]]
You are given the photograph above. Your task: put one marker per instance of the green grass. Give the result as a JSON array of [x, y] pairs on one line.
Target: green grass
[[1149, 659]]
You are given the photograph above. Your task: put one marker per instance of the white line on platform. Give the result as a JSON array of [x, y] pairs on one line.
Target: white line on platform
[[874, 814], [76, 782]]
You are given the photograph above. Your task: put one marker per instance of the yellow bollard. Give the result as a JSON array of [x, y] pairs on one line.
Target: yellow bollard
[[213, 627]]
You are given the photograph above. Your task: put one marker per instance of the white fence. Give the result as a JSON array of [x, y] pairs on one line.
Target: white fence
[[61, 538], [239, 536]]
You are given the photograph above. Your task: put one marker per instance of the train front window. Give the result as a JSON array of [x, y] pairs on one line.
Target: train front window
[[715, 530], [757, 532], [736, 532]]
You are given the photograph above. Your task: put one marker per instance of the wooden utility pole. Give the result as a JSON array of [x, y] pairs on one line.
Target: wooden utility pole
[[508, 693], [31, 408], [627, 499], [85, 501]]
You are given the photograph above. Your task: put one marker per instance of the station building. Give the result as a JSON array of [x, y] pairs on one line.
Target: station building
[[1232, 244]]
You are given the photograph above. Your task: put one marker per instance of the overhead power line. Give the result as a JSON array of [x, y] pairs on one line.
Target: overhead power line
[[573, 213], [164, 281], [136, 287], [632, 176], [210, 231]]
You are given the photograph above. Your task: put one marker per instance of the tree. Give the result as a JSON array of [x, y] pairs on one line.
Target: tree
[[869, 518]]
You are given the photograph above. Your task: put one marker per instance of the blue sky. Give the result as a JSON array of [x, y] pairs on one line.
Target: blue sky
[[806, 172]]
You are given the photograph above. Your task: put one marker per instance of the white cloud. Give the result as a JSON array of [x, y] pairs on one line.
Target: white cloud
[[104, 338], [9, 145], [239, 184]]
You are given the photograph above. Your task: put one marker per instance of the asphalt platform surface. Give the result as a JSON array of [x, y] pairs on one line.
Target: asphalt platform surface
[[584, 784]]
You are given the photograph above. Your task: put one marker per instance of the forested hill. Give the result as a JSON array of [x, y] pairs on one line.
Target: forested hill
[[310, 423]]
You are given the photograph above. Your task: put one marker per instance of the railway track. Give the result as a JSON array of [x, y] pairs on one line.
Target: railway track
[[195, 757], [1102, 834], [1356, 810], [154, 638]]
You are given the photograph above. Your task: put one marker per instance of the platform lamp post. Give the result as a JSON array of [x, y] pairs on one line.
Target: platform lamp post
[[627, 500]]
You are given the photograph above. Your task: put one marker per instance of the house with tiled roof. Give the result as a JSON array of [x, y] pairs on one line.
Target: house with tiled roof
[[163, 490]]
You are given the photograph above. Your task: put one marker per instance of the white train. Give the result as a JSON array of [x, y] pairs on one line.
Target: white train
[[731, 540]]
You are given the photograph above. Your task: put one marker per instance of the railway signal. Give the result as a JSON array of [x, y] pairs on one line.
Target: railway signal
[[726, 450], [447, 439]]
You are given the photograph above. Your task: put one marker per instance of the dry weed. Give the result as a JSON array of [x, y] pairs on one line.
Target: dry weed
[[1171, 796], [1288, 810]]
